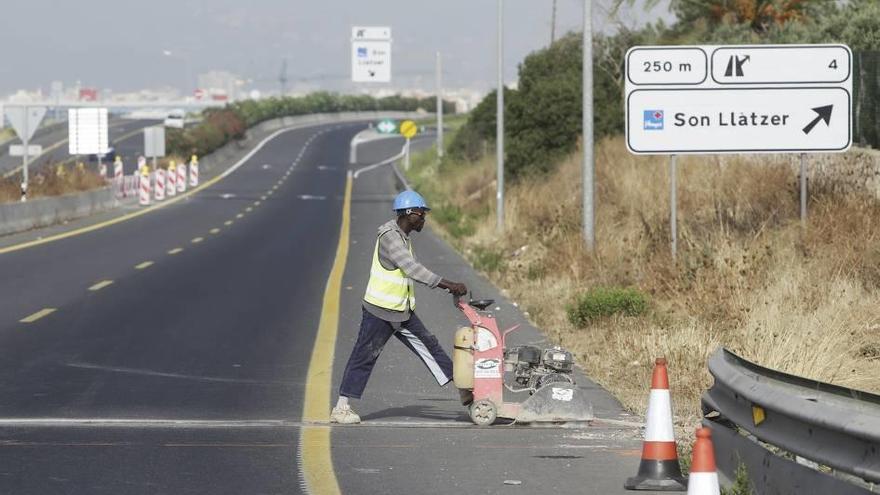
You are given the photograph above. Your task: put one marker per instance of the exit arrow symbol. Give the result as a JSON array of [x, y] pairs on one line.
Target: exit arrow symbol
[[824, 113]]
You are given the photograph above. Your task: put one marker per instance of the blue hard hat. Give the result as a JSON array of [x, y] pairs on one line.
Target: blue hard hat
[[409, 199]]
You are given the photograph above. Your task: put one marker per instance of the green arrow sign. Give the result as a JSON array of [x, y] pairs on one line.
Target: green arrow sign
[[387, 126]]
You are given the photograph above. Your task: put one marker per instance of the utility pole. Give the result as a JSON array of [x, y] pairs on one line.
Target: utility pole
[[589, 175], [499, 121], [439, 107], [553, 24], [283, 77]]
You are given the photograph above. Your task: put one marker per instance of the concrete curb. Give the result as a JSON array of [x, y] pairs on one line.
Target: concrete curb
[[43, 212]]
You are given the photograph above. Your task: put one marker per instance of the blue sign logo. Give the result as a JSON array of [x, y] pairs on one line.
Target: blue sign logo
[[653, 120], [362, 51]]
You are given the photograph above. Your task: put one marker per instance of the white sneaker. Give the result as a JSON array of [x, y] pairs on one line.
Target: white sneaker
[[344, 416]]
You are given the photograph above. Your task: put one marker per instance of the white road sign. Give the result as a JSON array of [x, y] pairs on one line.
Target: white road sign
[[18, 150], [739, 99], [88, 132], [371, 33], [25, 120], [371, 54], [154, 141]]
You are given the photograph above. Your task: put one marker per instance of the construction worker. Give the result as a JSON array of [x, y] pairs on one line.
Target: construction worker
[[389, 304]]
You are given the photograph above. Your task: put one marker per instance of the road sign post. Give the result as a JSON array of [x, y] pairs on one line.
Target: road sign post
[[25, 120], [408, 129], [439, 108], [739, 99], [673, 204], [499, 124], [588, 172]]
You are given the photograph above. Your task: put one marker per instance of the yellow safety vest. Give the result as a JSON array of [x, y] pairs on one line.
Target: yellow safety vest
[[389, 289]]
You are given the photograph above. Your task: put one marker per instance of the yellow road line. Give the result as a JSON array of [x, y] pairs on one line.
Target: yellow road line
[[138, 213], [197, 240], [145, 264], [36, 316], [214, 231], [100, 285], [175, 251], [317, 463]]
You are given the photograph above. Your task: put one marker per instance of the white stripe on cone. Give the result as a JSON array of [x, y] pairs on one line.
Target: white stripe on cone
[[160, 184], [703, 484], [181, 178], [194, 173], [145, 191], [119, 178], [659, 427], [171, 182]]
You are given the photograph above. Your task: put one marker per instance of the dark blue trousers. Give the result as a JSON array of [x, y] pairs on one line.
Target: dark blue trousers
[[373, 335]]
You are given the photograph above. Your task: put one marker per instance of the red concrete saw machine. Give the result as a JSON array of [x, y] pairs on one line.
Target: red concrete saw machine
[[483, 364]]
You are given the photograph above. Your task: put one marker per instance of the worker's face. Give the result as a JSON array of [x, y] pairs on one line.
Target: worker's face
[[417, 219]]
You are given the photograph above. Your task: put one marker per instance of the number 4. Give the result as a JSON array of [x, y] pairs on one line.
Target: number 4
[[833, 64]]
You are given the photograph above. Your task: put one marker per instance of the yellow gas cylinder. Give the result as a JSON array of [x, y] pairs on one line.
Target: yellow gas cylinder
[[463, 358]]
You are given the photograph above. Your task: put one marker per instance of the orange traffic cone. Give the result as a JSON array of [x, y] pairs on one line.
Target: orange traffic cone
[[659, 469], [703, 479]]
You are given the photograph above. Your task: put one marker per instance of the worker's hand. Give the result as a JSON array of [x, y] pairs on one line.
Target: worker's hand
[[455, 288]]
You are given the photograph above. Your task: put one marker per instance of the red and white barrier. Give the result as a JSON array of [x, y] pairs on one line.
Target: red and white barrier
[[181, 177], [171, 181], [659, 468], [160, 184], [703, 479], [194, 171], [118, 178], [145, 187]]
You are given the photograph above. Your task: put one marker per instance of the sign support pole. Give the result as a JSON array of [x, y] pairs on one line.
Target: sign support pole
[[673, 204], [24, 169], [406, 156], [499, 124], [589, 172], [804, 190], [439, 108]]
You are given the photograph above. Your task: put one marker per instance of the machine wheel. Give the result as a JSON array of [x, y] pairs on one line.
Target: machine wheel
[[483, 412]]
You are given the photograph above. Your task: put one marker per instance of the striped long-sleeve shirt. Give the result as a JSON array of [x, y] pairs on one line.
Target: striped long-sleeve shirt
[[394, 253]]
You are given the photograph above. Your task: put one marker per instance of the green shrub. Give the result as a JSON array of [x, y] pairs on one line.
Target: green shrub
[[454, 220], [222, 125], [601, 302], [487, 259]]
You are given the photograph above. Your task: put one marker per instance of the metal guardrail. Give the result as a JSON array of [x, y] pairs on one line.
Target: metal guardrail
[[835, 430]]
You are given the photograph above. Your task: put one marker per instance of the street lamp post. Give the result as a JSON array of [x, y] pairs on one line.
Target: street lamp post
[[589, 173], [499, 117], [187, 69]]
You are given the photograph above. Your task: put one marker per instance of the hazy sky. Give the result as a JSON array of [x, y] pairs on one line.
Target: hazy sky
[[119, 44]]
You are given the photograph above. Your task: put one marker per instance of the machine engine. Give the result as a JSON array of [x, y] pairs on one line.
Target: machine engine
[[535, 368]]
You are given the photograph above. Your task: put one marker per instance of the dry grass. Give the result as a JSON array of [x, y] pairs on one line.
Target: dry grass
[[53, 181], [747, 276]]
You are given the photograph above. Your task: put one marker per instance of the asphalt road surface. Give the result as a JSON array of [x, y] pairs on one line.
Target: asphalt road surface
[[170, 353]]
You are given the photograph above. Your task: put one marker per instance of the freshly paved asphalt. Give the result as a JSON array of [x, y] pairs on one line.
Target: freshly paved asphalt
[[205, 352], [220, 331]]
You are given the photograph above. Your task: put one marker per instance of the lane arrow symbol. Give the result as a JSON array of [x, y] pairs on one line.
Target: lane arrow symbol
[[824, 113]]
